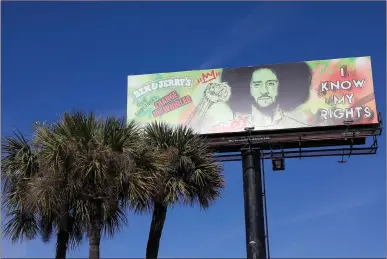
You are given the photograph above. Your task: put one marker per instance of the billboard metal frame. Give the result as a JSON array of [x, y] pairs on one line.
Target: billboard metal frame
[[254, 149], [301, 144], [300, 139]]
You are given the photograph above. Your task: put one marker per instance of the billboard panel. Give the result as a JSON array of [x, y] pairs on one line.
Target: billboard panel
[[267, 97]]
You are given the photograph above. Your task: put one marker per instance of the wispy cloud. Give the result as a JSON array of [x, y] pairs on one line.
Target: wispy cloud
[[257, 27], [311, 213], [332, 208]]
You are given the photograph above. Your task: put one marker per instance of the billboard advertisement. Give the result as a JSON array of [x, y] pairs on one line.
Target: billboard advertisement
[[267, 97]]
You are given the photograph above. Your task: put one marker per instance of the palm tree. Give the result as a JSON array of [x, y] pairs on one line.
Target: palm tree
[[20, 168], [77, 177], [103, 176], [189, 175], [18, 165], [53, 188]]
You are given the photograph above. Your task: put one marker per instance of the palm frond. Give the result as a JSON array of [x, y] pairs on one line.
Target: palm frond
[[189, 174], [20, 225], [115, 219], [46, 228], [76, 232], [18, 161], [19, 165]]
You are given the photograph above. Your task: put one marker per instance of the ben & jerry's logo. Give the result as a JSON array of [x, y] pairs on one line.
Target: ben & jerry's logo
[[162, 84]]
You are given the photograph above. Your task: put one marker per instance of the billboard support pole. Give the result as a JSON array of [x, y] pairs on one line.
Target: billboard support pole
[[253, 202]]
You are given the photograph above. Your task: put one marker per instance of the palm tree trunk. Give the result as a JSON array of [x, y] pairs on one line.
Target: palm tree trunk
[[94, 242], [63, 236], [156, 229], [95, 233]]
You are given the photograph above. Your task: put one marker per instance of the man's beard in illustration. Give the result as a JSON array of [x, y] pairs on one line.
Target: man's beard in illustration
[[267, 110]]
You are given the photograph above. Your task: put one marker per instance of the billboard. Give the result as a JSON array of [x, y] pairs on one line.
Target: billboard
[[321, 93]]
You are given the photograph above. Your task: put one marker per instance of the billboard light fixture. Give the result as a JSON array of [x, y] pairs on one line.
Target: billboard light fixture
[[249, 128], [278, 163], [348, 122]]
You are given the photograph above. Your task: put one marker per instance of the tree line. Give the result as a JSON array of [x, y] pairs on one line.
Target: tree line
[[76, 178]]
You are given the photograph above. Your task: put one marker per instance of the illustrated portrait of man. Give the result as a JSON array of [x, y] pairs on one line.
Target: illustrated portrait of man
[[266, 96], [269, 94]]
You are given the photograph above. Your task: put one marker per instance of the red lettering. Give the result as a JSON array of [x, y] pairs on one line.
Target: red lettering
[[157, 104], [209, 76], [174, 95], [157, 113], [166, 99], [186, 99], [171, 106]]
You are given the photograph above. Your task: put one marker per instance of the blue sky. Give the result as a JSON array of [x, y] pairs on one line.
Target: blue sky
[[62, 56]]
